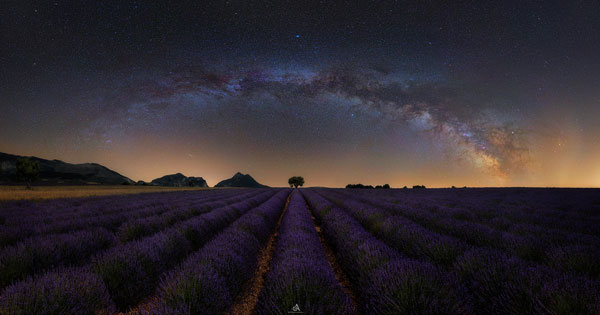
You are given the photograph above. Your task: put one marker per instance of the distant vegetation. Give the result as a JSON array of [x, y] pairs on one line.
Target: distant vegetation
[[361, 186], [28, 171], [419, 187], [296, 181]]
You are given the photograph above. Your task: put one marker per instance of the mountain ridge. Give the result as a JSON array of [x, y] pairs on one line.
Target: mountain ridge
[[60, 172], [179, 180], [240, 180]]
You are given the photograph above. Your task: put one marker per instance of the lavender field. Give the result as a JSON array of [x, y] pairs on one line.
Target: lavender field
[[311, 251]]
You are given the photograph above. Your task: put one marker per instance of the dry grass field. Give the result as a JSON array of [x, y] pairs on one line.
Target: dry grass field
[[52, 192]]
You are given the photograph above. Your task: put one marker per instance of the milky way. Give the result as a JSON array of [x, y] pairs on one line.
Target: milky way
[[430, 108]]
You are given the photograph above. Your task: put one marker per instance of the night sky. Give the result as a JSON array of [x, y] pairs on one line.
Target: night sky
[[440, 93]]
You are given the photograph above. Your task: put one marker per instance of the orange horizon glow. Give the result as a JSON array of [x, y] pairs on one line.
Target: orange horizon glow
[[567, 170]]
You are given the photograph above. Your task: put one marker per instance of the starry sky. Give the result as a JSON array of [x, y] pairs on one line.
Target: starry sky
[[440, 93]]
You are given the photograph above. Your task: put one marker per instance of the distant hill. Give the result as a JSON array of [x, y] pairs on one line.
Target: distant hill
[[179, 180], [59, 172], [240, 180]]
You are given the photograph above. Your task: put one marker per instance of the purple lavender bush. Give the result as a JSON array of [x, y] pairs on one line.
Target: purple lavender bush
[[576, 259], [567, 294], [65, 291], [41, 253], [196, 289], [131, 272], [500, 283], [411, 287]]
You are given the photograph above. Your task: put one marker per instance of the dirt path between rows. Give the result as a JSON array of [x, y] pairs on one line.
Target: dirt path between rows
[[245, 303], [143, 307], [340, 276]]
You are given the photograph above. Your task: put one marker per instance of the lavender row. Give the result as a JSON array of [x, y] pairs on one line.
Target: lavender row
[[515, 219], [404, 235], [300, 272], [497, 281], [65, 291], [139, 222], [140, 227], [94, 217], [45, 252], [416, 240], [28, 223], [385, 281], [209, 280], [572, 257], [191, 205], [12, 234], [15, 213], [504, 284], [558, 209], [577, 203], [130, 271]]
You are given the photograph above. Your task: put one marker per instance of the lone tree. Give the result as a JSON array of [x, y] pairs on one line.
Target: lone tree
[[296, 181], [27, 170]]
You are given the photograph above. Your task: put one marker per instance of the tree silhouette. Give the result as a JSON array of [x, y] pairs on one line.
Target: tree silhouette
[[361, 186], [296, 181], [27, 170]]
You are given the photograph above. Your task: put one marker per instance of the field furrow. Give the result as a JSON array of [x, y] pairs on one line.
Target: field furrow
[[130, 272], [46, 252], [107, 215], [410, 286], [340, 276], [517, 282], [311, 251], [442, 238]]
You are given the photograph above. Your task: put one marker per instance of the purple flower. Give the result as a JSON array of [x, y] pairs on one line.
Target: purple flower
[[65, 291]]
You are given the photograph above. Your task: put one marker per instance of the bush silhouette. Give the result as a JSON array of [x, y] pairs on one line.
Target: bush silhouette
[[27, 170], [361, 186]]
